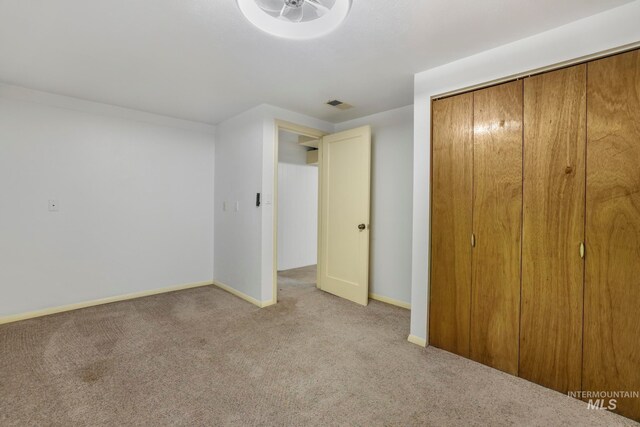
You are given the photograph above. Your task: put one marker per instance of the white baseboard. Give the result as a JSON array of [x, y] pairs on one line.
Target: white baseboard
[[261, 304], [391, 301], [101, 301], [417, 340]]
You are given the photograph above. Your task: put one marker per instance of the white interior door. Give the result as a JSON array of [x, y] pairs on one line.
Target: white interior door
[[345, 186]]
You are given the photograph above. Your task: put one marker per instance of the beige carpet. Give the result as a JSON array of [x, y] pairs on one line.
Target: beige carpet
[[298, 276], [205, 357]]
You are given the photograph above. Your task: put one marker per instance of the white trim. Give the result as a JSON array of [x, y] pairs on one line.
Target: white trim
[[70, 307], [417, 340], [242, 295], [391, 301]]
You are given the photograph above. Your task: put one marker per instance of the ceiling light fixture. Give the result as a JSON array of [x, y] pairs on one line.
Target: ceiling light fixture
[[295, 19]]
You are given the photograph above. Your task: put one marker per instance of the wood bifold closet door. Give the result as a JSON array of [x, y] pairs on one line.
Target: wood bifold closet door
[[553, 228], [612, 285], [497, 215], [535, 266], [451, 217], [477, 187]]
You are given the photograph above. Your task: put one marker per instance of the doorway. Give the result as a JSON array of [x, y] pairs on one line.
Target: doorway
[[295, 149], [297, 201], [322, 199]]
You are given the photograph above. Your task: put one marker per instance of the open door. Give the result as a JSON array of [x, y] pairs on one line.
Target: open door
[[345, 185]]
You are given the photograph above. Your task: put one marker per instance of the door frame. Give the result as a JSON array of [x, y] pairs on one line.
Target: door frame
[[303, 131]]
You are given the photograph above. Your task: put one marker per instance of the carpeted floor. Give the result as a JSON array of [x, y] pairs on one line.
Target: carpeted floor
[[205, 357], [302, 276]]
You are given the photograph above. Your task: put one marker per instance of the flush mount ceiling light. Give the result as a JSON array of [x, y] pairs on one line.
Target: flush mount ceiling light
[[296, 19]]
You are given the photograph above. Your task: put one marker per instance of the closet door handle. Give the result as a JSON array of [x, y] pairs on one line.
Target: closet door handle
[[582, 250], [473, 240]]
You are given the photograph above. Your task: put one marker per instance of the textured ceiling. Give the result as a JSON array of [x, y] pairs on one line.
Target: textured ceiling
[[201, 60]]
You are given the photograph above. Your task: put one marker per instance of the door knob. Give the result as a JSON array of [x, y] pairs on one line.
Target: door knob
[[361, 227]]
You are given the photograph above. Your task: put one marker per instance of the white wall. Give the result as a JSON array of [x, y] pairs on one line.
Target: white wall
[[391, 201], [134, 191], [598, 33], [238, 177], [297, 215]]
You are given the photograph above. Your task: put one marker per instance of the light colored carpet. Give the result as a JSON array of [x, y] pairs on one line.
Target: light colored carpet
[[297, 277], [205, 357]]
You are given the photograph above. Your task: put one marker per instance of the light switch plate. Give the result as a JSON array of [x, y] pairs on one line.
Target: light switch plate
[[53, 205], [237, 206], [224, 206]]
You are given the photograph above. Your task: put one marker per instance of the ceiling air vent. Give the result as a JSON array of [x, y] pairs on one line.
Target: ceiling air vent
[[339, 104]]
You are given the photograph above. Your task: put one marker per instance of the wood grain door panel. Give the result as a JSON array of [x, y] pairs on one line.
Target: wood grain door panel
[[612, 283], [497, 224], [452, 157], [553, 228]]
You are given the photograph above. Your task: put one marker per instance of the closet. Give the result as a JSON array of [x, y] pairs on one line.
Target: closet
[[535, 233]]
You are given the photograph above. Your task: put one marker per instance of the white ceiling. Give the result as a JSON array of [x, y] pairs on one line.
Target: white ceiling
[[201, 60]]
